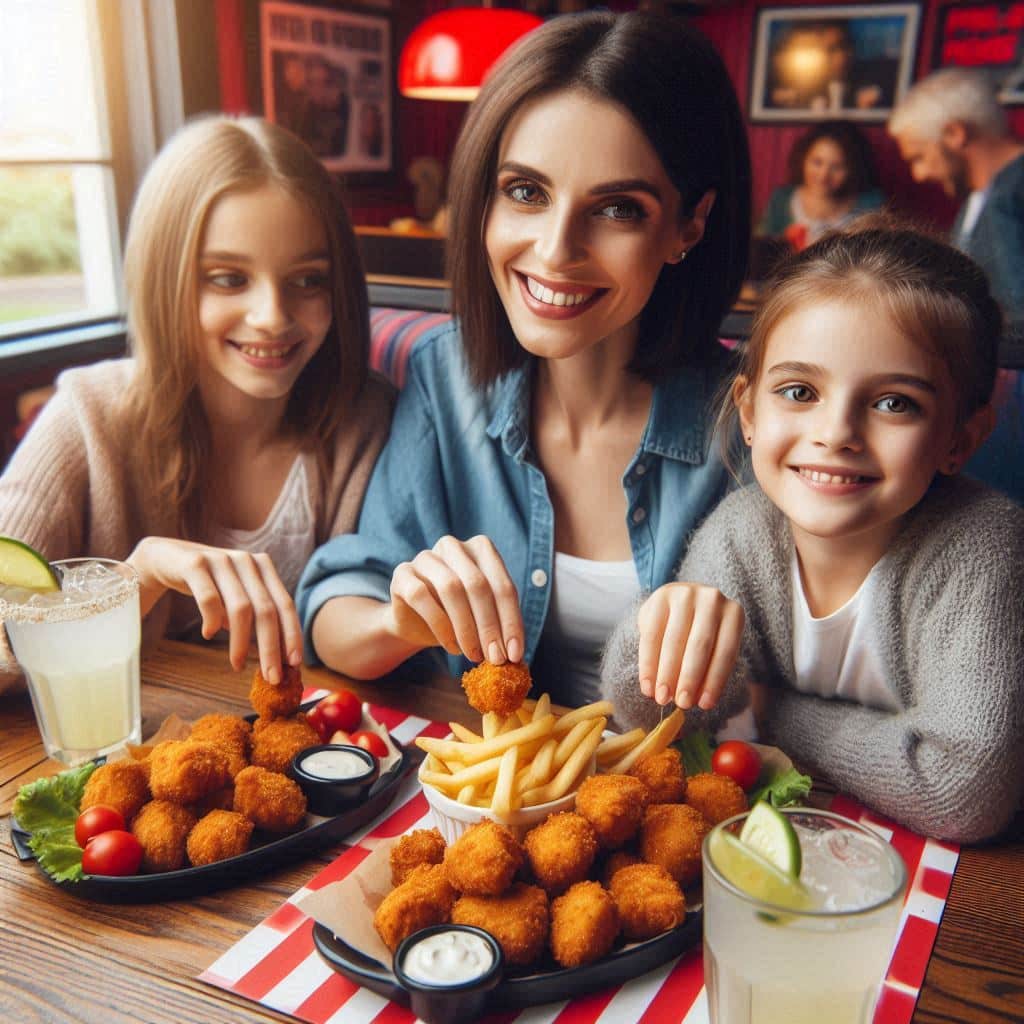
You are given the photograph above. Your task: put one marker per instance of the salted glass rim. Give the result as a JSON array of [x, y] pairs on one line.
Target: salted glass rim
[[889, 853], [76, 605]]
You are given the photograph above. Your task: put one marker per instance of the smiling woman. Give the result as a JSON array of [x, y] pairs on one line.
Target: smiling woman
[[549, 454], [242, 431]]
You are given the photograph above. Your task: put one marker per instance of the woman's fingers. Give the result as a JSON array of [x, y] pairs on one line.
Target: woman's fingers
[[415, 601], [264, 614], [651, 622], [723, 659], [236, 603], [503, 636], [288, 615]]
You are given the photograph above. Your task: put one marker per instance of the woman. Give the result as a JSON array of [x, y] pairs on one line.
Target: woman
[[549, 455], [242, 431], [832, 180]]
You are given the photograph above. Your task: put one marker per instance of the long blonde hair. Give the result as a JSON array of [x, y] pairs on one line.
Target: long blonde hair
[[207, 159]]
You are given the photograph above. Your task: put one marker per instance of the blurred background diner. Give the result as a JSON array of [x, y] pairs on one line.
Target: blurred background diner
[[89, 91]]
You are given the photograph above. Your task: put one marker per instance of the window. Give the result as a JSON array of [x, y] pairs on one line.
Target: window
[[82, 110]]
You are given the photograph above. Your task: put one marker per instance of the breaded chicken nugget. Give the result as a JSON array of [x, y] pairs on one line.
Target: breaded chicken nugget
[[560, 851], [219, 800], [423, 899], [663, 775], [217, 836], [276, 701], [162, 828], [614, 805], [276, 741], [717, 797], [518, 919], [584, 924], [671, 835], [649, 900], [615, 862], [119, 784], [269, 799], [423, 846], [483, 860], [230, 733], [185, 771], [498, 688]]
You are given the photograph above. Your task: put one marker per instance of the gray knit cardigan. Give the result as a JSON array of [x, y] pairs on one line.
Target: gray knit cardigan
[[950, 762]]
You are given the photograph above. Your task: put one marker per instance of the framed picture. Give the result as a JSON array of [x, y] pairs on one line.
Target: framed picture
[[816, 63], [985, 36], [327, 75]]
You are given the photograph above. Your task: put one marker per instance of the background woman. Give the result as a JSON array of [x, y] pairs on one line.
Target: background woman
[[832, 179], [242, 431], [549, 455]]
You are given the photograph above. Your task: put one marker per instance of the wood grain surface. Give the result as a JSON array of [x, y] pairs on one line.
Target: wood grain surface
[[65, 959]]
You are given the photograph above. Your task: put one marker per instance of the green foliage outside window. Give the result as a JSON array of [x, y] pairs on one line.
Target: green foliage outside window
[[38, 232]]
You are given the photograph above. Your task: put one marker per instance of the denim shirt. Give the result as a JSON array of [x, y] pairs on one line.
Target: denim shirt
[[459, 461]]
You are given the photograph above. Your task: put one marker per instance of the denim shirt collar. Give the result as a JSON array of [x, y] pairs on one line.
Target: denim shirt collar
[[677, 427]]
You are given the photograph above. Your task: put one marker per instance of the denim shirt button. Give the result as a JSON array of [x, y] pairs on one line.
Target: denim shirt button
[[640, 469], [539, 578], [639, 514]]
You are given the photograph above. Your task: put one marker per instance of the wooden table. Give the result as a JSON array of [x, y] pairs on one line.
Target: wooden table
[[66, 959]]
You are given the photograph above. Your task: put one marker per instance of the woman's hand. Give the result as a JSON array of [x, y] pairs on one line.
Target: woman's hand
[[235, 590], [689, 639], [458, 595]]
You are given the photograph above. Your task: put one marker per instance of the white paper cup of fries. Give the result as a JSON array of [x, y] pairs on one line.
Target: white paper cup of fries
[[520, 768]]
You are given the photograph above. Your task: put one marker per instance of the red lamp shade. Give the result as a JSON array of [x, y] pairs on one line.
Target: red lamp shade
[[447, 56]]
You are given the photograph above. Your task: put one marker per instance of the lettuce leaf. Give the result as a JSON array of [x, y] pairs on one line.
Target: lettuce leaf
[[782, 789], [696, 749], [48, 808]]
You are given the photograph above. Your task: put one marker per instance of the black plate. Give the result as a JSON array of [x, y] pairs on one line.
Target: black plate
[[268, 852], [521, 987]]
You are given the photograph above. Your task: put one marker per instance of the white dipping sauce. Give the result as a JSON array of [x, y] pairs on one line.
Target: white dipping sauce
[[334, 764], [448, 958]]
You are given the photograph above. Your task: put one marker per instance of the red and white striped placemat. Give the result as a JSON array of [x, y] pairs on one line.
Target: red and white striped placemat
[[277, 965]]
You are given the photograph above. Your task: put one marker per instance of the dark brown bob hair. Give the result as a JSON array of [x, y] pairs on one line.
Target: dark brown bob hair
[[673, 83]]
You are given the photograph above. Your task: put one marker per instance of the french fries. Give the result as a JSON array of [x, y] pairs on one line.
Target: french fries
[[534, 755]]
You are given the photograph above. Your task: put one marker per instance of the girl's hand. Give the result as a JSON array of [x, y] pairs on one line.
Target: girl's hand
[[235, 590], [689, 639], [459, 595]]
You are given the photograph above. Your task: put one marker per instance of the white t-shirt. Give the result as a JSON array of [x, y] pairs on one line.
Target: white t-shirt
[[836, 656], [588, 599]]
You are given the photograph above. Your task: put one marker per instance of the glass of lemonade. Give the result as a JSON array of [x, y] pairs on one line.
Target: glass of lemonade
[[765, 963], [79, 649]]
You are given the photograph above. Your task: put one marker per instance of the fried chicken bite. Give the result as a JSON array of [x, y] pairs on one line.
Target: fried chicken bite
[[498, 688], [615, 862], [269, 799], [185, 771], [162, 829], [276, 741], [560, 851], [423, 846], [584, 924], [648, 899], [671, 835], [483, 860], [217, 836], [663, 775], [717, 797], [518, 919], [122, 785], [233, 735], [614, 805], [423, 899], [276, 701]]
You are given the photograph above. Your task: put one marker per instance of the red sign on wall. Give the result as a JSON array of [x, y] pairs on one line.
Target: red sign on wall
[[988, 36]]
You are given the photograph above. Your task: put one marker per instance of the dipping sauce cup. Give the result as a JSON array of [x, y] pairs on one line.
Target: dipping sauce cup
[[79, 649], [334, 776], [448, 971]]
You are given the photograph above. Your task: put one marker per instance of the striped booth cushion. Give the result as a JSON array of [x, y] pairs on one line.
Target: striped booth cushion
[[393, 333]]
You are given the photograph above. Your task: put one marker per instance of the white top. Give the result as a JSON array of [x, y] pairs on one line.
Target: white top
[[837, 656], [288, 535], [588, 599], [973, 206]]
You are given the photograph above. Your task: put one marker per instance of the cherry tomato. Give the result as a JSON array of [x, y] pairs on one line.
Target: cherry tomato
[[94, 820], [739, 760], [112, 853], [339, 710], [369, 741]]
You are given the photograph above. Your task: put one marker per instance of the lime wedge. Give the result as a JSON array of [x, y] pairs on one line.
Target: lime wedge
[[754, 875], [22, 566], [771, 834]]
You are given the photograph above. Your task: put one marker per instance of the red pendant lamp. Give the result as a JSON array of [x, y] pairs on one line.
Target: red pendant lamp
[[447, 56]]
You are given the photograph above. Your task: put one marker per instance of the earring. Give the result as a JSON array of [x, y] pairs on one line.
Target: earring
[[682, 254], [749, 438]]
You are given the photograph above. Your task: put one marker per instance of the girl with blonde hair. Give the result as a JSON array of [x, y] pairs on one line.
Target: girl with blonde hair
[[241, 431]]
